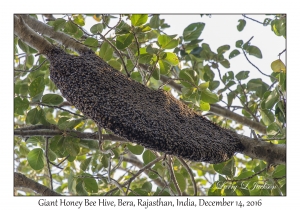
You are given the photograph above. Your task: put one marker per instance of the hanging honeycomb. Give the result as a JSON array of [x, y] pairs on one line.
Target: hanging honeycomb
[[152, 118]]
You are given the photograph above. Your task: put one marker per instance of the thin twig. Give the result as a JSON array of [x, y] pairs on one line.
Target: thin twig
[[32, 69], [252, 19], [138, 173], [281, 53], [138, 51], [173, 178], [257, 67], [111, 28], [190, 173], [48, 163], [120, 56], [57, 107], [249, 177]]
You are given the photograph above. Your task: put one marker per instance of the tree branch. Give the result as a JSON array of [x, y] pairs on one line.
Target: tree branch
[[217, 109], [21, 180], [58, 36]]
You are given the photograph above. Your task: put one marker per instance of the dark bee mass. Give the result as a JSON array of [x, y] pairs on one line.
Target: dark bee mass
[[152, 118]]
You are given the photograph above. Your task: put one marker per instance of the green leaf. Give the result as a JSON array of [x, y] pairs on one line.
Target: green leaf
[[56, 142], [272, 99], [227, 168], [91, 42], [164, 67], [267, 116], [241, 24], [71, 182], [122, 28], [52, 99], [139, 192], [115, 64], [154, 21], [37, 86], [234, 53], [33, 116], [137, 20], [245, 174], [223, 49], [85, 164], [90, 184], [106, 51], [79, 20], [69, 124], [147, 186], [29, 61], [279, 171], [167, 42], [59, 23], [188, 77], [104, 161], [23, 46], [137, 149], [257, 85], [225, 63], [71, 27], [156, 74], [239, 43], [97, 28], [71, 145], [36, 159], [209, 97], [214, 85], [181, 180], [80, 190], [242, 75], [124, 41], [255, 51], [35, 140], [204, 86], [193, 31], [278, 66], [78, 34], [20, 105], [148, 156], [204, 106], [171, 59]]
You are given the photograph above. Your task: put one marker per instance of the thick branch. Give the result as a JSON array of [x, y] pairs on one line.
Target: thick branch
[[266, 151], [29, 36], [216, 109], [257, 149], [51, 133], [21, 180], [58, 36]]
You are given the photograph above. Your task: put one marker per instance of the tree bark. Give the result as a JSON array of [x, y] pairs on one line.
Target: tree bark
[[21, 180]]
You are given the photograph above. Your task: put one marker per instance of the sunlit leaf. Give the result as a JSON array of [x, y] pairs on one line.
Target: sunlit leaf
[[124, 41], [278, 66], [209, 97], [137, 20], [36, 158], [52, 99], [137, 149], [148, 156], [97, 28], [167, 42]]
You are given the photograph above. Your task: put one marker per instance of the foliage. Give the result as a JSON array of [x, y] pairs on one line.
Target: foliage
[[77, 167]]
